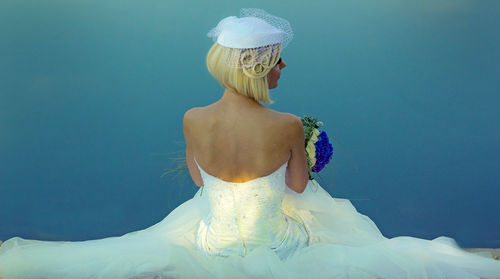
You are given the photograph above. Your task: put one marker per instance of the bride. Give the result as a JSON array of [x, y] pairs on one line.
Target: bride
[[256, 214]]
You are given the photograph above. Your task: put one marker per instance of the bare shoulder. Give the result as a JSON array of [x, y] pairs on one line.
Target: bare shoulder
[[289, 121], [285, 117], [192, 112], [191, 115], [292, 119], [198, 112], [190, 119]]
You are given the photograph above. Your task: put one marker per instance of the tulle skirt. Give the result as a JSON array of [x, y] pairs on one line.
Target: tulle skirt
[[343, 244]]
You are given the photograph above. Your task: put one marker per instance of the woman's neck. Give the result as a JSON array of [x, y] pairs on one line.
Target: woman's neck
[[232, 97]]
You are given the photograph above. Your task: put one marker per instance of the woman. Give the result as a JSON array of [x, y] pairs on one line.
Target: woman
[[257, 215], [237, 143]]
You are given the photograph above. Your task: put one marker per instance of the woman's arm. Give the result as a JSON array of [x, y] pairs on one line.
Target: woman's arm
[[192, 167], [296, 172]]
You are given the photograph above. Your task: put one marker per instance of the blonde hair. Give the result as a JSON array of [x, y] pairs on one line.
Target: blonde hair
[[251, 82]]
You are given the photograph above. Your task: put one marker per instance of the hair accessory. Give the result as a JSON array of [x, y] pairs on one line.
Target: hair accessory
[[252, 38]]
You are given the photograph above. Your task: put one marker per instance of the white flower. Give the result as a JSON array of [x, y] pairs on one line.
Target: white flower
[[311, 149], [314, 136]]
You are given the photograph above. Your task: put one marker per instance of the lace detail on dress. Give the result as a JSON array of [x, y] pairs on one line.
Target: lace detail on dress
[[247, 215]]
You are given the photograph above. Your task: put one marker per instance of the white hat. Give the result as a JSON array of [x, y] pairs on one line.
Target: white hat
[[255, 29], [247, 32]]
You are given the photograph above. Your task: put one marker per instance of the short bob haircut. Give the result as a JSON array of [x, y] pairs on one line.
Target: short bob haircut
[[251, 82]]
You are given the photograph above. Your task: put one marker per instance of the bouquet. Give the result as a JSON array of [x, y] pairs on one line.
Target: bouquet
[[319, 150]]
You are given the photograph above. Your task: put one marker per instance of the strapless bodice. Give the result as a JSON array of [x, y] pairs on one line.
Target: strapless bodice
[[246, 215]]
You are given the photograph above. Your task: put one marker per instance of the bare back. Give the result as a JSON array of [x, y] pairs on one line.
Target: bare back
[[239, 142]]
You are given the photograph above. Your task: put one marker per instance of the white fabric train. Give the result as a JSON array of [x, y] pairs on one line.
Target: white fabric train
[[256, 229]]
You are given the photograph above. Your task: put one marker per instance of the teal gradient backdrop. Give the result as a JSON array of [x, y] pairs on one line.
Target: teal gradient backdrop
[[92, 95]]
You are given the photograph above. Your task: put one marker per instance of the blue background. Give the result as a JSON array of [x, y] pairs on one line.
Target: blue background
[[92, 95]]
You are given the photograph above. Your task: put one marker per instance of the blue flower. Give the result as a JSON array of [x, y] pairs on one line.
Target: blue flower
[[324, 152]]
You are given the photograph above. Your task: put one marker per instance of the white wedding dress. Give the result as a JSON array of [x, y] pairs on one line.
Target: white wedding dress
[[255, 229]]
